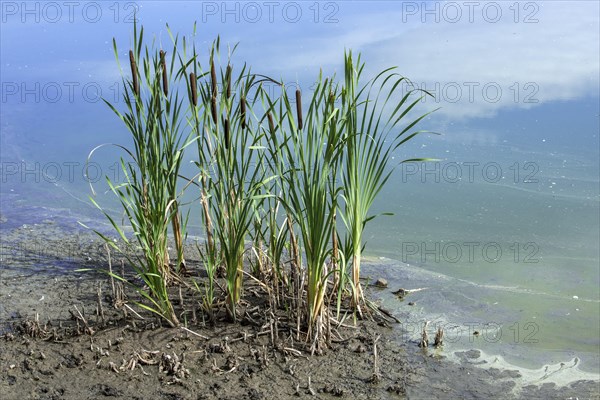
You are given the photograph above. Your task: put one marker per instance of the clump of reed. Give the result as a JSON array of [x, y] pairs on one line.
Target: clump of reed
[[149, 193], [229, 151], [273, 178], [373, 129], [304, 153], [334, 160]]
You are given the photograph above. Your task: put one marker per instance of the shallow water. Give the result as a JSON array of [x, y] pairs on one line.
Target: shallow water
[[508, 335], [518, 257]]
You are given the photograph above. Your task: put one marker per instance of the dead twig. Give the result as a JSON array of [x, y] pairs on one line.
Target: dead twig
[[194, 333], [99, 308], [439, 338], [424, 337], [376, 377], [309, 388], [81, 319]]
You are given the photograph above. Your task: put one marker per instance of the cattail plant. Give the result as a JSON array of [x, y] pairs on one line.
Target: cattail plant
[[172, 147], [149, 193], [372, 133], [310, 155], [276, 181], [228, 158], [279, 224], [197, 121]]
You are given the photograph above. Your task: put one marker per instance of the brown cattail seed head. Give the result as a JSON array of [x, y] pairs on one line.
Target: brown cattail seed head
[[213, 108], [228, 75], [134, 75], [194, 89], [271, 124], [213, 78], [165, 82], [299, 107], [227, 134], [243, 111]]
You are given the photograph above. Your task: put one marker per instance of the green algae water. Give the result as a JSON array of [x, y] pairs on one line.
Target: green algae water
[[514, 258]]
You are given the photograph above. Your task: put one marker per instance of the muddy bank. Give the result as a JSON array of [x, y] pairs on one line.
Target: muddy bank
[[55, 345]]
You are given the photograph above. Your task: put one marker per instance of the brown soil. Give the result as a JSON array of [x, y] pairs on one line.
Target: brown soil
[[54, 345]]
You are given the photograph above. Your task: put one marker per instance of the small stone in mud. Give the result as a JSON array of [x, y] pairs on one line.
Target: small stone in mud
[[254, 394], [360, 349], [469, 354], [72, 361], [513, 374], [382, 283], [333, 390], [396, 389], [504, 374], [411, 303]]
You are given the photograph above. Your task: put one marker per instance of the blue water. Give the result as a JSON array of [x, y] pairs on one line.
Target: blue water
[[505, 227]]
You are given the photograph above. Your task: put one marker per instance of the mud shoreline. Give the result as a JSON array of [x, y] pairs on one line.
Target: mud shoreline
[[76, 354]]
